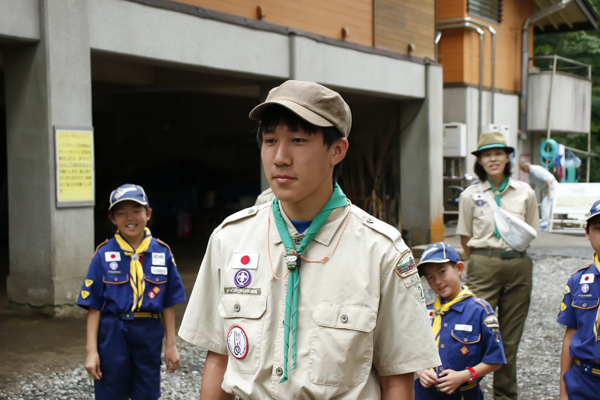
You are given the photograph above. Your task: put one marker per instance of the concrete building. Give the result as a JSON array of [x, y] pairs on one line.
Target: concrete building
[[165, 86]]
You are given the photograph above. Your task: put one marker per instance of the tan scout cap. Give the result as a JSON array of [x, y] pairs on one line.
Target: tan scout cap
[[492, 140], [312, 102]]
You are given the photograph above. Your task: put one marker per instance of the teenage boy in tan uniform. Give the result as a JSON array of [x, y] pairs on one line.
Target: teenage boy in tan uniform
[[307, 296]]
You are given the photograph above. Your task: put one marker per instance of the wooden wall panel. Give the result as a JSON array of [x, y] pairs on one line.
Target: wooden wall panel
[[398, 23], [459, 52], [323, 17]]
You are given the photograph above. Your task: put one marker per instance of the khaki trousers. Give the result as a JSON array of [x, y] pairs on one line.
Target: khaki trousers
[[506, 285]]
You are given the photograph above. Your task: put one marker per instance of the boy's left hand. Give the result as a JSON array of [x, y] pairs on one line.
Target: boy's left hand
[[450, 380], [172, 358]]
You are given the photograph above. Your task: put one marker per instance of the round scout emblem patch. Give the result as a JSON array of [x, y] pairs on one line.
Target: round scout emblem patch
[[242, 278], [113, 265], [479, 203], [237, 341], [585, 288]]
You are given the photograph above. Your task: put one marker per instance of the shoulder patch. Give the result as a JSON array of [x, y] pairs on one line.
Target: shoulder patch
[[100, 245], [406, 266], [567, 289], [491, 321]]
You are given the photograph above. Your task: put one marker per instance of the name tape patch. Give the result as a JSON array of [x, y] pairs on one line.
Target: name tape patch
[[159, 270]]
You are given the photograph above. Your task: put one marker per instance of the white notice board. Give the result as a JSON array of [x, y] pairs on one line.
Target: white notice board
[[572, 202]]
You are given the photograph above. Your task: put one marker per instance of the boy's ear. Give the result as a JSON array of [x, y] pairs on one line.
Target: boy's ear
[[460, 266], [112, 219], [148, 214], [340, 149]]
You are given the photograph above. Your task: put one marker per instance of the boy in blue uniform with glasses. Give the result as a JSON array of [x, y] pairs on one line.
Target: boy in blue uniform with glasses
[[465, 328], [580, 313], [131, 281]]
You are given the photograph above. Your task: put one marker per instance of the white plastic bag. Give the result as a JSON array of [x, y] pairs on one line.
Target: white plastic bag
[[515, 232]]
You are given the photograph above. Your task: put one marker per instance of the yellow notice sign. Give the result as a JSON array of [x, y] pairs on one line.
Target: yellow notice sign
[[75, 167]]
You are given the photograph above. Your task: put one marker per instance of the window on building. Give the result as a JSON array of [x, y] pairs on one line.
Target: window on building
[[488, 9]]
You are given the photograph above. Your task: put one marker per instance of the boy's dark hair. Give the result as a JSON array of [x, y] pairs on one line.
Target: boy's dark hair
[[592, 221], [482, 175], [275, 115], [116, 207]]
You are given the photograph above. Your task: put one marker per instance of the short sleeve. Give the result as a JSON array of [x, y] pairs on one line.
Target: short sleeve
[[465, 215], [566, 314], [493, 350], [175, 291], [202, 325], [403, 339], [92, 290], [531, 211]]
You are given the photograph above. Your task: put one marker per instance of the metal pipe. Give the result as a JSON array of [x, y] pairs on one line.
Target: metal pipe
[[438, 36], [525, 57], [493, 32], [548, 127], [481, 33]]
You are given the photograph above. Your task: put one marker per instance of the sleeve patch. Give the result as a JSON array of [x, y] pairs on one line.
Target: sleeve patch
[[563, 307], [567, 289], [412, 280], [85, 294], [88, 283], [406, 266], [491, 321], [419, 290]]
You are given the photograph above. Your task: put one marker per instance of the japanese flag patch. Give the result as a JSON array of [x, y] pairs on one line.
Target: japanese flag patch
[[112, 256], [478, 199], [586, 278], [245, 259]]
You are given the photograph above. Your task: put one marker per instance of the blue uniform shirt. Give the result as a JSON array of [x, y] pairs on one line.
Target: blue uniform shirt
[[107, 288], [578, 310], [469, 335]]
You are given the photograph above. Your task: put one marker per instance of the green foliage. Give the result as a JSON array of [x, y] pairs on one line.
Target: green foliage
[[583, 46]]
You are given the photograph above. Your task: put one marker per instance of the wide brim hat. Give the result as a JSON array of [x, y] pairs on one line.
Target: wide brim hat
[[492, 140], [128, 192], [312, 102], [438, 253], [594, 210]]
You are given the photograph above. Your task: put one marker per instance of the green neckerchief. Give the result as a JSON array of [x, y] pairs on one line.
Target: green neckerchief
[[497, 193], [337, 199]]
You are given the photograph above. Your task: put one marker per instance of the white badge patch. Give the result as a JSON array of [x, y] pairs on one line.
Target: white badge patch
[[464, 328], [158, 270], [479, 199], [420, 292], [245, 259], [412, 280], [237, 341], [158, 258], [586, 278], [112, 256]]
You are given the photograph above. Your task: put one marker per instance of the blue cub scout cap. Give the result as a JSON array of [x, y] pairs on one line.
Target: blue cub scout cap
[[438, 253], [128, 191], [595, 210]]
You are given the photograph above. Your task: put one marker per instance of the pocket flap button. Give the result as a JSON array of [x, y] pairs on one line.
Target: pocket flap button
[[344, 318], [237, 308]]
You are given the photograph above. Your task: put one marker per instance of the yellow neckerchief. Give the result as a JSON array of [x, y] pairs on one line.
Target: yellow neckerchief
[[597, 324], [135, 267], [440, 309]]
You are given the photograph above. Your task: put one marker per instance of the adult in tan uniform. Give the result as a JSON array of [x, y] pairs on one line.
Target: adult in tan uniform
[[287, 317], [496, 272]]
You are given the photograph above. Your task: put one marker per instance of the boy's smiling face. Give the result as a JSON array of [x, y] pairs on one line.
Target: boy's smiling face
[[444, 279], [593, 233], [131, 219], [298, 165]]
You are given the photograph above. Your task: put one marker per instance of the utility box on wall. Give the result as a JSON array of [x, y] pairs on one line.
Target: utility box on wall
[[455, 139]]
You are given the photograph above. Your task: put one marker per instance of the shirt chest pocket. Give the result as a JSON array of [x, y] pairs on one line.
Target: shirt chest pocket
[[156, 279], [341, 344], [483, 221], [586, 304], [245, 312], [518, 210], [115, 279], [116, 286], [464, 349]]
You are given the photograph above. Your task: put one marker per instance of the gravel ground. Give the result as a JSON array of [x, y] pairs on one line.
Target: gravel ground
[[538, 361]]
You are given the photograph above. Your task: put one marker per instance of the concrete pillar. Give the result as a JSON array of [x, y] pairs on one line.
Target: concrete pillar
[[47, 84], [421, 163]]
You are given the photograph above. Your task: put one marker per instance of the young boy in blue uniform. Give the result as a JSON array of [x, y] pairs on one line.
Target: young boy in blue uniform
[[465, 327], [580, 313], [131, 281]]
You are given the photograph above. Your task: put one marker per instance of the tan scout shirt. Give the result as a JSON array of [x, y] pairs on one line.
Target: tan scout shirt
[[476, 220], [357, 317]]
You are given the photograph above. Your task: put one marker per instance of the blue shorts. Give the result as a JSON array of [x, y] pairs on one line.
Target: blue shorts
[[581, 386], [432, 393], [130, 358]]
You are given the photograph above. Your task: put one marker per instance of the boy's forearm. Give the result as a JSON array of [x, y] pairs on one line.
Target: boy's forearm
[[92, 326], [169, 322], [397, 387], [483, 369], [566, 361], [463, 242]]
